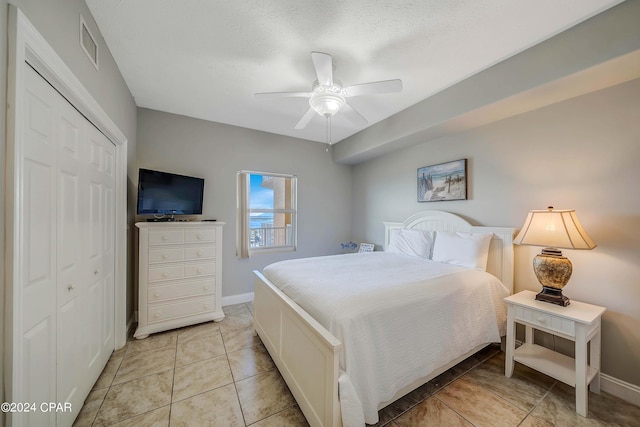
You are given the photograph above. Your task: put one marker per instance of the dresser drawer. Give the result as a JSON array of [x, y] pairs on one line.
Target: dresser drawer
[[199, 252], [201, 235], [201, 269], [159, 313], [163, 254], [165, 272], [164, 292], [545, 320], [158, 237]]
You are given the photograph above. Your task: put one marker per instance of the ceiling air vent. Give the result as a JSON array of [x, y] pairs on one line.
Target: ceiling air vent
[[88, 43]]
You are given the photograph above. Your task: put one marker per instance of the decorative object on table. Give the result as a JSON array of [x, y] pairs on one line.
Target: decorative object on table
[[554, 229], [445, 181], [348, 247], [365, 247]]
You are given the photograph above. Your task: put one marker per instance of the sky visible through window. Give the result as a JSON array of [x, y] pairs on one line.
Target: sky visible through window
[[260, 198]]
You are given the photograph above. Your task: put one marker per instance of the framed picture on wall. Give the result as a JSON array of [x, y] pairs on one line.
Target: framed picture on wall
[[444, 181]]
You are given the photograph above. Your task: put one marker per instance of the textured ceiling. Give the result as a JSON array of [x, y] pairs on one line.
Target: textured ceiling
[[207, 58]]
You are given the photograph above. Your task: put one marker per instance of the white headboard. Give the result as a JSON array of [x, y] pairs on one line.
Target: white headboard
[[500, 262]]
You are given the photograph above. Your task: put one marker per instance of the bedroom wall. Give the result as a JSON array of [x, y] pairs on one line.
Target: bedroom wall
[[582, 154], [215, 152]]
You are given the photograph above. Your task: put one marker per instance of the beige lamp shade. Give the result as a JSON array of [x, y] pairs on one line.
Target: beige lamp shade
[[554, 228]]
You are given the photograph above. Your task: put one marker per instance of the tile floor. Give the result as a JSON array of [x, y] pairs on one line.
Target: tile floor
[[219, 374]]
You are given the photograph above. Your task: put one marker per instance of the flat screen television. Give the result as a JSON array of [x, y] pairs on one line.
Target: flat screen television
[[163, 193]]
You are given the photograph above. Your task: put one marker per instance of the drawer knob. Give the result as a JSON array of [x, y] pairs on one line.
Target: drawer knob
[[199, 270], [165, 256], [541, 319], [156, 295], [96, 272], [157, 315], [199, 253], [199, 236], [70, 288], [206, 306], [165, 275], [164, 238], [206, 288]]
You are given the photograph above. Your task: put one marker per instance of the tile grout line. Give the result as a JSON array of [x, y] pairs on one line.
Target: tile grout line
[[456, 412], [538, 402], [144, 376], [173, 378], [483, 360], [233, 377], [110, 384]]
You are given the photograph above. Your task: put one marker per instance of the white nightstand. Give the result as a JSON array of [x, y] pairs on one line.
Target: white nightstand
[[578, 322]]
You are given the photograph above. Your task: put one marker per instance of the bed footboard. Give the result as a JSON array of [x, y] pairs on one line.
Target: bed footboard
[[306, 354]]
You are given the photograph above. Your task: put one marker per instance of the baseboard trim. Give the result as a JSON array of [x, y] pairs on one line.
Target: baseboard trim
[[130, 323], [237, 299], [623, 390]]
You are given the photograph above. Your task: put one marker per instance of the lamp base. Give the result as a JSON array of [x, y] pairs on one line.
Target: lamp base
[[553, 296]]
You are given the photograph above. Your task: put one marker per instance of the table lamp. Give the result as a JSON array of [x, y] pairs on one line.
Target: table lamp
[[555, 230]]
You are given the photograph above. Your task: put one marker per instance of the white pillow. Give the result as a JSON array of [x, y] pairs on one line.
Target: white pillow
[[411, 242], [469, 250]]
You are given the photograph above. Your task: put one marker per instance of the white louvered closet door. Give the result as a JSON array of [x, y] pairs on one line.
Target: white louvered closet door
[[68, 264]]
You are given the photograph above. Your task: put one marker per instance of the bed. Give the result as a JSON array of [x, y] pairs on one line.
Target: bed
[[330, 380]]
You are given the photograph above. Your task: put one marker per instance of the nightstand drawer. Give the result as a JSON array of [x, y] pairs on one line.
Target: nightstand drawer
[[545, 320]]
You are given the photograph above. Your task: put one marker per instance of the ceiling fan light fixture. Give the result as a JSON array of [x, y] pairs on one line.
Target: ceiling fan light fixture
[[326, 104], [328, 96], [327, 100]]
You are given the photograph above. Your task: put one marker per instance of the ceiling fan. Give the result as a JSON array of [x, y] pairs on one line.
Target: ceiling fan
[[328, 96]]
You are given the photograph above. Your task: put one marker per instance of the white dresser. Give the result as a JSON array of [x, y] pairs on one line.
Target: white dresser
[[180, 275]]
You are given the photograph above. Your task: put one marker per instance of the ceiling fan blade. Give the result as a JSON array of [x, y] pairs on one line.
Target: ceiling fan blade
[[283, 95], [302, 123], [385, 86], [323, 63], [353, 115]]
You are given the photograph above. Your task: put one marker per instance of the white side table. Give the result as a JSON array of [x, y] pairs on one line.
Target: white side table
[[578, 322]]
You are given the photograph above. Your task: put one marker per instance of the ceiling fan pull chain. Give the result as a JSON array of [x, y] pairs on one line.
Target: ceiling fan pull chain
[[328, 132]]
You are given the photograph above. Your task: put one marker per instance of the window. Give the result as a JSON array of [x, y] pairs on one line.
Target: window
[[266, 213]]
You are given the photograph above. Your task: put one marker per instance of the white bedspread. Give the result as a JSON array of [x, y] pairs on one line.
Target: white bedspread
[[398, 317]]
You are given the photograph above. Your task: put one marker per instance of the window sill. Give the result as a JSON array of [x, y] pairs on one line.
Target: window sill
[[272, 250]]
